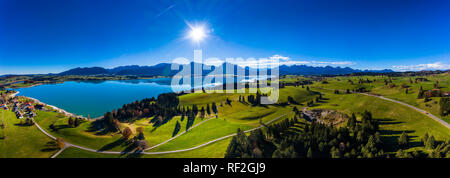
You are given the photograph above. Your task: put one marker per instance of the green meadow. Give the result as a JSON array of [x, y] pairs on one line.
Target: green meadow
[[22, 141], [396, 92], [231, 117], [213, 150], [393, 118]]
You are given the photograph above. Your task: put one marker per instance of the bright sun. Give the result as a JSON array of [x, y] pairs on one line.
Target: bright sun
[[197, 33]]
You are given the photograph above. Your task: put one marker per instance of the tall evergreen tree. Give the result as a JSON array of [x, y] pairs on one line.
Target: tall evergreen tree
[[214, 108], [208, 109], [420, 93], [430, 142], [403, 140], [351, 123]]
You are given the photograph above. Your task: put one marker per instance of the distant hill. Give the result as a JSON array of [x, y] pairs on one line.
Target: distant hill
[[327, 70], [164, 69], [86, 71]]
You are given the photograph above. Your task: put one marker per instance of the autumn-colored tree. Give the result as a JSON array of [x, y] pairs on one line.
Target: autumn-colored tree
[[60, 143], [116, 124], [126, 133], [141, 144], [140, 129]]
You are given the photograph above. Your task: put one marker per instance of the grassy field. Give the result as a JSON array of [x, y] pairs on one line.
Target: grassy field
[[83, 136], [393, 118], [211, 130], [396, 92], [79, 135], [213, 150], [22, 141], [230, 118]]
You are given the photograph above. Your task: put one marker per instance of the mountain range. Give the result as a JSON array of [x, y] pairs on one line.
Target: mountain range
[[164, 69]]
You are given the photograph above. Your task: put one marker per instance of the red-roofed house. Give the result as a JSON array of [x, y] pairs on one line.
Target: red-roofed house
[[4, 106]]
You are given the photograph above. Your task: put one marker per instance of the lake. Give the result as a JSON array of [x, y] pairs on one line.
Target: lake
[[97, 97]]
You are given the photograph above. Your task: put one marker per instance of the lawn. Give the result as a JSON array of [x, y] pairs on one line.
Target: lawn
[[396, 92], [83, 136], [22, 141], [79, 135], [394, 118], [213, 150], [299, 94]]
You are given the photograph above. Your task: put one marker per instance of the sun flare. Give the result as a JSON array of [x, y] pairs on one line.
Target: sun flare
[[197, 33]]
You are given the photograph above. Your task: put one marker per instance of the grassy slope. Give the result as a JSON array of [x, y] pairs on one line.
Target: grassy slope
[[82, 136], [238, 115], [78, 135], [213, 150], [397, 93], [394, 118], [22, 141]]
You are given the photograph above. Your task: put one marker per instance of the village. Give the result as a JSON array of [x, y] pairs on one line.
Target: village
[[23, 108]]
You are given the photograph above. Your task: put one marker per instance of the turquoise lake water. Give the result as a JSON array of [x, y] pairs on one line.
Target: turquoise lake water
[[96, 98]]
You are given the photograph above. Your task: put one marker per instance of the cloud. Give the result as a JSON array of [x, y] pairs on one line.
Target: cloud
[[342, 63], [430, 66], [213, 61], [322, 63], [276, 56], [273, 61], [284, 60]]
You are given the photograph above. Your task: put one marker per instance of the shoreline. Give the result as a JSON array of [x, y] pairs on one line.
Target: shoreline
[[30, 86], [14, 94], [69, 114]]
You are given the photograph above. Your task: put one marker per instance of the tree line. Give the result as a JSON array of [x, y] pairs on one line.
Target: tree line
[[315, 140], [161, 109]]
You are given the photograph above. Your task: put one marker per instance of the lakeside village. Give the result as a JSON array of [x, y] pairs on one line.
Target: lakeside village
[[25, 108]]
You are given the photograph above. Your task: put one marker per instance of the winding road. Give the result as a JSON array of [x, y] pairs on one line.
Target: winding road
[[412, 107], [402, 103]]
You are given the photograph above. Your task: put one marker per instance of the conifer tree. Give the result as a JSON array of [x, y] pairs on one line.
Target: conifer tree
[[403, 140]]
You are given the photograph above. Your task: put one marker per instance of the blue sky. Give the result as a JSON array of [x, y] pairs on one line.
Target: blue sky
[[52, 35]]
